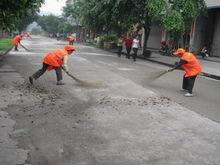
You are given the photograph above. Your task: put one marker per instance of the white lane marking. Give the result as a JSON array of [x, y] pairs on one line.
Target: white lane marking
[[95, 54], [80, 59], [21, 52], [125, 69], [101, 62]]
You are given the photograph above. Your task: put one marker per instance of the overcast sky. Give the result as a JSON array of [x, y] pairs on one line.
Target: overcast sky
[[52, 7]]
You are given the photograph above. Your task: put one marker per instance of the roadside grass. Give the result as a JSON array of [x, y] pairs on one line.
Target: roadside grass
[[92, 44], [5, 44]]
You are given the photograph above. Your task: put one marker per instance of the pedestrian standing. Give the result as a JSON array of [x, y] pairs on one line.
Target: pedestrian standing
[[16, 40], [128, 44], [192, 68], [135, 46], [120, 45], [54, 60]]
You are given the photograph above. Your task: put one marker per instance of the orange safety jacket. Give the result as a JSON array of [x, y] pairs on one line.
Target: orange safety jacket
[[70, 38], [192, 67], [55, 58], [16, 40]]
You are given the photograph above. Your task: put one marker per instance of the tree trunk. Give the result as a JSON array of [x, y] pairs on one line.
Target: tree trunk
[[147, 29]]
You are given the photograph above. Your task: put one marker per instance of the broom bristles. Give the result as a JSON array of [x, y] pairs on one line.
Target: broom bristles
[[86, 83], [153, 76]]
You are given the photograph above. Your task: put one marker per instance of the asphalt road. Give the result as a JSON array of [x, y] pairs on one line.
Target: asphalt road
[[125, 121], [206, 91]]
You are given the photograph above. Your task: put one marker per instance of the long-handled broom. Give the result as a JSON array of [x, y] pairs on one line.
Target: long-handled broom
[[83, 82], [7, 51], [24, 47]]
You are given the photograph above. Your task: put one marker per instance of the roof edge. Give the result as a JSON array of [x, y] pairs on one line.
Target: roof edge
[[213, 6]]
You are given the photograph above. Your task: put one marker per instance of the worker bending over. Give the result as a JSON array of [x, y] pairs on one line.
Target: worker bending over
[[192, 68], [16, 40], [54, 60]]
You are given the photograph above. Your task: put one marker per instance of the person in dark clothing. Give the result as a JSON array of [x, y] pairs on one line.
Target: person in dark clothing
[[203, 52], [128, 44], [120, 45], [56, 60]]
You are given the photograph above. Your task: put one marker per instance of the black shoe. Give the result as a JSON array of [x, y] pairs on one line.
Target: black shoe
[[31, 80]]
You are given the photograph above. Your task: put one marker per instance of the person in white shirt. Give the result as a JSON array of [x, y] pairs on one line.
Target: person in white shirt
[[135, 46]]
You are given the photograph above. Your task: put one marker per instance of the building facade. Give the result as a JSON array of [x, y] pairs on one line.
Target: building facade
[[206, 30]]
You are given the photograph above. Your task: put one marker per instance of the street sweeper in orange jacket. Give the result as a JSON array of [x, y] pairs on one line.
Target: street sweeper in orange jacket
[[192, 68], [54, 60], [70, 38], [16, 40]]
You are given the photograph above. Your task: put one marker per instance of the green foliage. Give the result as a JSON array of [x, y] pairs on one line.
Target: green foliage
[[188, 10], [11, 11], [119, 15], [54, 24], [50, 23], [72, 11], [100, 16], [65, 28], [26, 20], [5, 44], [156, 8], [107, 38], [173, 22], [37, 31]]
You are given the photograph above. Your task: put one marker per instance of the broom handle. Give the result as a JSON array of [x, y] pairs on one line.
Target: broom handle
[[7, 51], [24, 47], [70, 75]]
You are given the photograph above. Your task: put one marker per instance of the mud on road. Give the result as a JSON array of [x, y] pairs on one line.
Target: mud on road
[[38, 112], [56, 128]]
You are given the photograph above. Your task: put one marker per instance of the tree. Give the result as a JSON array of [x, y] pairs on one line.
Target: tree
[[120, 15], [71, 13], [105, 16], [178, 19], [11, 11], [50, 23], [26, 20], [37, 31], [117, 15]]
